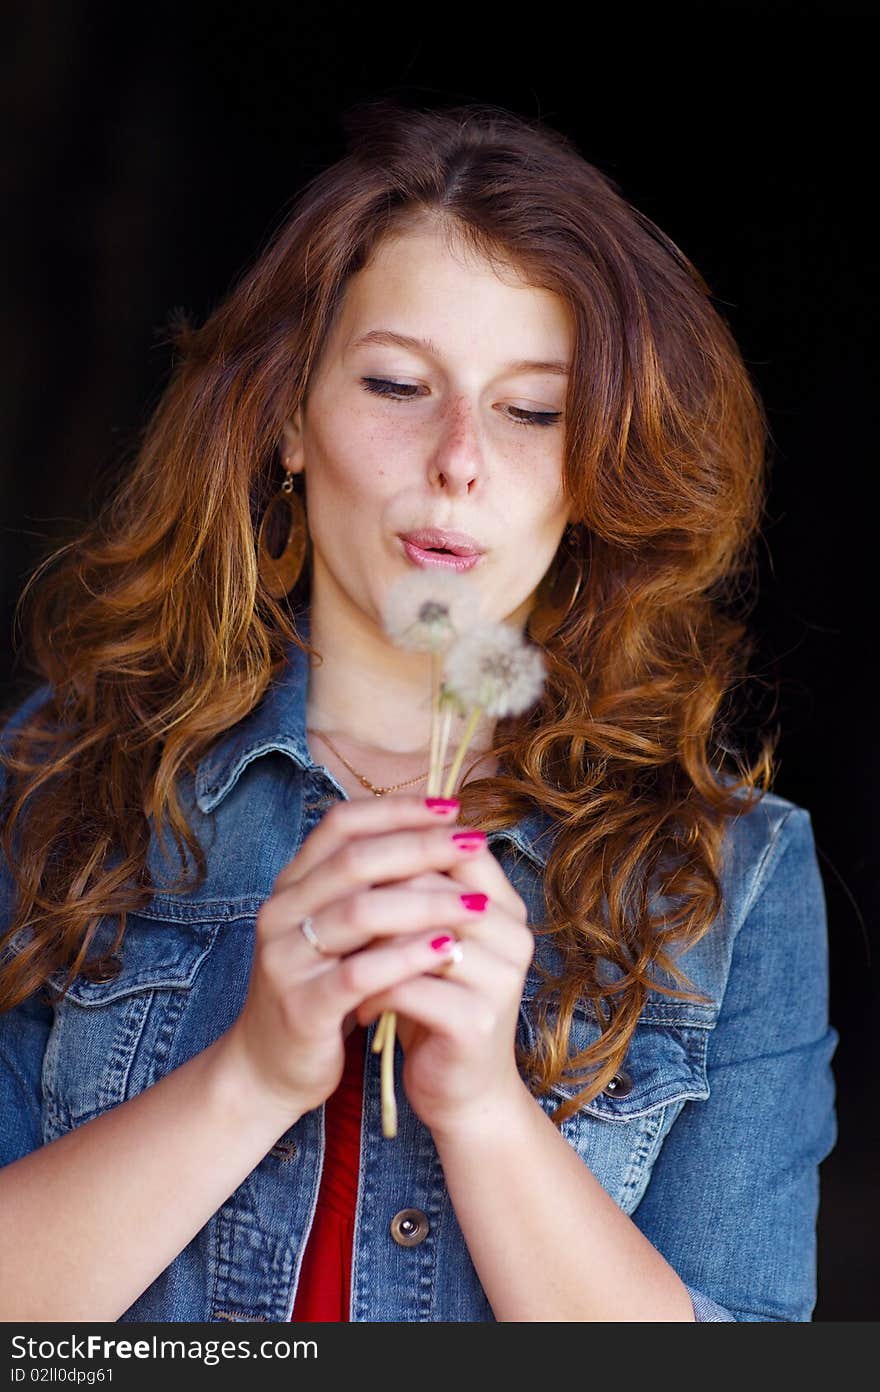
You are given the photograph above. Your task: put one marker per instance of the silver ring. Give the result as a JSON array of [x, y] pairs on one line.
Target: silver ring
[[311, 936]]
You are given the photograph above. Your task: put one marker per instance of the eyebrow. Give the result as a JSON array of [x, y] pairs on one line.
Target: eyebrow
[[390, 339]]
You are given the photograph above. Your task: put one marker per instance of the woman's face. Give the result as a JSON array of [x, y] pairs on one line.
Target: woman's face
[[458, 429]]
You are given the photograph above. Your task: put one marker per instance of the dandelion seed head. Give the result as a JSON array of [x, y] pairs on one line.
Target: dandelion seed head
[[491, 666], [424, 611]]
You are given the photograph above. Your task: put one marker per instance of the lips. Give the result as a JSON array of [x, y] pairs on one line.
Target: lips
[[441, 548], [437, 539]]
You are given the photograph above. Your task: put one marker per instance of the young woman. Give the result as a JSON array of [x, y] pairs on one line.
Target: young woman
[[220, 866]]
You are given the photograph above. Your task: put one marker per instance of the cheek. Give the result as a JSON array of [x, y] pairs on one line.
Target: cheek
[[363, 457], [339, 465], [535, 501]]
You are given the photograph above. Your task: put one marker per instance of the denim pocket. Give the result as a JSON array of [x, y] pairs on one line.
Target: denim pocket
[[111, 1039], [619, 1133]]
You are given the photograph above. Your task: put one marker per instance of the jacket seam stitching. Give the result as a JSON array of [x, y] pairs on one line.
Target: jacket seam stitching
[[760, 880]]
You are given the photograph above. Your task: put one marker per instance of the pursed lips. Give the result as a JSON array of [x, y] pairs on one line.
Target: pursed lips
[[426, 557]]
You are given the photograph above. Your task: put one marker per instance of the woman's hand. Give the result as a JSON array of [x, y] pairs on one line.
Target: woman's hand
[[457, 1025], [376, 931]]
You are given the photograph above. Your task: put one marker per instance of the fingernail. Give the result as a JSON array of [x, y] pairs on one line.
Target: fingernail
[[442, 806], [469, 840], [477, 902], [446, 943]]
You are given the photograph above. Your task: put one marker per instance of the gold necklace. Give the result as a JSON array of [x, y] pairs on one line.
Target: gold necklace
[[362, 779]]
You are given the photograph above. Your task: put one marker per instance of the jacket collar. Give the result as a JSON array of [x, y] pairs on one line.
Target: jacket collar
[[278, 724]]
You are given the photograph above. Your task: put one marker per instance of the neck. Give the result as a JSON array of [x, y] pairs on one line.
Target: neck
[[368, 695]]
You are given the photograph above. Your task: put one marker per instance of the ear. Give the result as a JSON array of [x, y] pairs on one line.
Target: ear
[[292, 443]]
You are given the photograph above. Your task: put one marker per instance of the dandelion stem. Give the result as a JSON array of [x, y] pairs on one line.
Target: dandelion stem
[[379, 1032], [383, 1041], [446, 726], [435, 771], [389, 1103], [462, 749]]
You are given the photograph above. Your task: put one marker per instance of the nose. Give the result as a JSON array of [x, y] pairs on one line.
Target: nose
[[457, 460]]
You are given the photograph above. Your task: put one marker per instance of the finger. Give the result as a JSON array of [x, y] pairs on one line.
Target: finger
[[477, 969], [371, 971], [510, 937], [454, 1003], [354, 817], [504, 897], [441, 1005], [431, 879], [507, 935], [485, 874], [366, 861], [351, 923]]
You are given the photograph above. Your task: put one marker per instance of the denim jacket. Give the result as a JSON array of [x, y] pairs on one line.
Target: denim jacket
[[710, 1138]]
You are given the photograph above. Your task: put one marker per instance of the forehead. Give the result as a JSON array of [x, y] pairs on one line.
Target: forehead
[[422, 283]]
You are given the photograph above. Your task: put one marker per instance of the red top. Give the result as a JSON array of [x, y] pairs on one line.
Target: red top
[[325, 1276]]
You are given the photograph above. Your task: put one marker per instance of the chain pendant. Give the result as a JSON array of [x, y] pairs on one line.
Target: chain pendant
[[362, 779]]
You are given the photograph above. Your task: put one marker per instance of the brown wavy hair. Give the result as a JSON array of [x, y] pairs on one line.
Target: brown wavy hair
[[155, 634]]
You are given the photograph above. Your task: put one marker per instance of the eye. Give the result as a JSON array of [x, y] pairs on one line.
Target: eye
[[535, 417], [381, 387], [405, 391]]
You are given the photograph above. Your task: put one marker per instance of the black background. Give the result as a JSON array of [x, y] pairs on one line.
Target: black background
[[150, 150]]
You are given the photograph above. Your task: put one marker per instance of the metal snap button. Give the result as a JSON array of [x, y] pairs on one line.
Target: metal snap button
[[409, 1227], [618, 1086], [107, 972], [284, 1150]]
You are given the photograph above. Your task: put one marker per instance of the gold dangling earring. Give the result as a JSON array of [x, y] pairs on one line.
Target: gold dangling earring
[[282, 541], [557, 593]]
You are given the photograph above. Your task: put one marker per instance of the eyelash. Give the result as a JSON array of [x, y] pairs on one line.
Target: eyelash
[[381, 386]]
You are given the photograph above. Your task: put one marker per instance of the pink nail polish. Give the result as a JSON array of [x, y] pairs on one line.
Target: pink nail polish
[[469, 835], [443, 944], [476, 902], [442, 806]]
